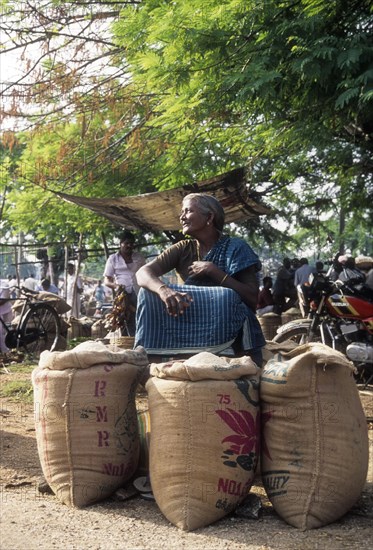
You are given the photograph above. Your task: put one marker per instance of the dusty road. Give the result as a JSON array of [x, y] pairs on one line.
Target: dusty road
[[30, 520]]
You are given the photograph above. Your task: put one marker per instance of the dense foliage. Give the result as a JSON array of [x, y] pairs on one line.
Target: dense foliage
[[128, 97]]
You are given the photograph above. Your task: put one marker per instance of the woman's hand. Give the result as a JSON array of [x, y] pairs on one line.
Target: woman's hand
[[199, 269], [176, 302], [245, 282]]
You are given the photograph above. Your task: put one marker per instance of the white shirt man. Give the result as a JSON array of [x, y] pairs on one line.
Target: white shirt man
[[13, 286], [121, 267], [119, 271], [30, 282]]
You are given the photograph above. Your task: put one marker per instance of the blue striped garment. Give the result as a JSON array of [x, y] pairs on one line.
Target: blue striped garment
[[211, 323], [231, 255]]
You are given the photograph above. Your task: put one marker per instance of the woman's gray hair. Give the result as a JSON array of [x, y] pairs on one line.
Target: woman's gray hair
[[207, 204]]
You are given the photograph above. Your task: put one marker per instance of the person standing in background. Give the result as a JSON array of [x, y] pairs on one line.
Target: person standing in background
[[74, 288], [336, 267], [302, 274], [301, 282], [319, 267], [284, 291], [6, 312], [294, 265], [47, 286], [119, 275], [99, 294], [12, 286], [265, 298], [30, 282]]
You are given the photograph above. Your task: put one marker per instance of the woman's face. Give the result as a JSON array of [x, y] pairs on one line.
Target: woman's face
[[191, 219]]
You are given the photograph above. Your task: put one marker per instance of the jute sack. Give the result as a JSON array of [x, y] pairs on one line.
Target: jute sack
[[204, 416], [272, 348], [290, 315], [59, 304], [86, 420], [315, 442], [79, 328], [269, 323], [98, 329], [17, 306]]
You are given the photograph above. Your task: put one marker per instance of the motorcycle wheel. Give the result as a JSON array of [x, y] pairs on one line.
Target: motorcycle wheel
[[299, 335]]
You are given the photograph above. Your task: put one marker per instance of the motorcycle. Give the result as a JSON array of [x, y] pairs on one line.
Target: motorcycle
[[341, 317]]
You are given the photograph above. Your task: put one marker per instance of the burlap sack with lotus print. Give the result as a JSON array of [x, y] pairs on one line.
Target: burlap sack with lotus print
[[315, 443], [86, 420], [204, 436]]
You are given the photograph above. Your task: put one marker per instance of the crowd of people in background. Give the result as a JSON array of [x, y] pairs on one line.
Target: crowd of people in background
[[87, 289], [279, 292], [289, 287], [85, 295]]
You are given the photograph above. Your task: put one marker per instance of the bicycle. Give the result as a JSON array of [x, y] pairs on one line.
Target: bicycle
[[38, 327]]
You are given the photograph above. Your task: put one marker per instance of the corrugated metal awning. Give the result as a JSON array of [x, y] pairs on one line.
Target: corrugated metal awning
[[160, 211]]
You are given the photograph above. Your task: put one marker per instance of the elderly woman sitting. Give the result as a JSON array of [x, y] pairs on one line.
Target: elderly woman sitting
[[214, 307]]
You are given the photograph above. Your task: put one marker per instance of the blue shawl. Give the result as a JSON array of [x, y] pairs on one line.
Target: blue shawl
[[231, 255]]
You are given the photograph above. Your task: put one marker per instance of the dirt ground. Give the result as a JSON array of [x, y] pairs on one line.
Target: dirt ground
[[33, 520]]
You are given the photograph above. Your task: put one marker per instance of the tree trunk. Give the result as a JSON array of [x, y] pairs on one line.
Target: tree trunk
[[342, 225]]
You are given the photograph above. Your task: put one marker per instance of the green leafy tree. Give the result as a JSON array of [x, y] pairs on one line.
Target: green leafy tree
[[199, 87], [283, 85]]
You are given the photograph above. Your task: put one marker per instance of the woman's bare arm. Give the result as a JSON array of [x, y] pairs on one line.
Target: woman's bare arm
[[148, 276]]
